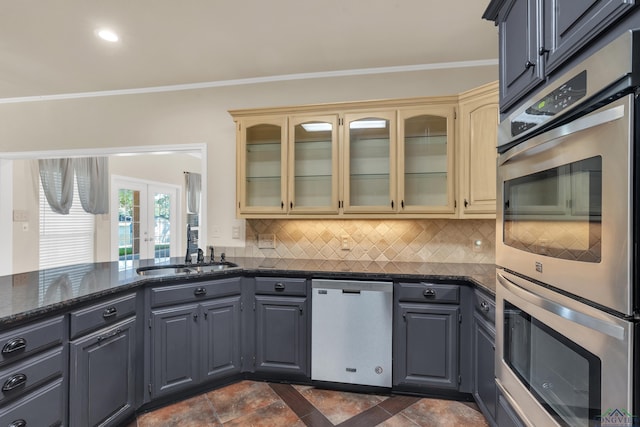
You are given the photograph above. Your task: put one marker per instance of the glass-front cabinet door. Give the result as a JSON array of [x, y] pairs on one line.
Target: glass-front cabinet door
[[425, 160], [369, 162], [313, 164], [262, 164]]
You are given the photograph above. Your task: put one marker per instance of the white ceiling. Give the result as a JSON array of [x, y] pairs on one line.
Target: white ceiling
[[49, 47]]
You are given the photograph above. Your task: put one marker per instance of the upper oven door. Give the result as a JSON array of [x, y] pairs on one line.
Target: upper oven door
[[564, 203]]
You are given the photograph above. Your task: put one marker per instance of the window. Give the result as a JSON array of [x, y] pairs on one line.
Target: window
[[65, 239]]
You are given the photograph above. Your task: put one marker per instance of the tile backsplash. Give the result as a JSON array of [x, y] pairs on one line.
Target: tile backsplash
[[403, 240]]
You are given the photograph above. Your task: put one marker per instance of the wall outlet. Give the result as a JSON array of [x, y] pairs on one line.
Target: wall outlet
[[216, 231], [345, 243], [20, 215], [266, 241], [235, 232]]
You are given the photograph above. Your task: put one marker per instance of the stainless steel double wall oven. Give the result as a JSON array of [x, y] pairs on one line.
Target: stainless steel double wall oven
[[568, 304]]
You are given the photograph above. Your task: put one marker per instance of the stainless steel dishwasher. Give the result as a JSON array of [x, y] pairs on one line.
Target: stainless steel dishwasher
[[351, 332]]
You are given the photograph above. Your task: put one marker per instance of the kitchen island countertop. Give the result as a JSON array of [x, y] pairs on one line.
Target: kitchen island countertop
[[33, 294]]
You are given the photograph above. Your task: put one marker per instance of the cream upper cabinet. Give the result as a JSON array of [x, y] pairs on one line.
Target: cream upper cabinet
[[426, 160], [424, 157], [477, 142], [262, 165], [313, 164], [369, 162]]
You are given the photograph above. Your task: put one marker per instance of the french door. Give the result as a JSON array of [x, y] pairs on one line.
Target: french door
[[144, 223]]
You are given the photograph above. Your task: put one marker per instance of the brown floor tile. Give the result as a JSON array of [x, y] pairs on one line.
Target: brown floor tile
[[443, 413], [316, 419], [276, 414], [371, 417], [239, 399], [395, 404], [339, 406], [194, 412], [398, 421]]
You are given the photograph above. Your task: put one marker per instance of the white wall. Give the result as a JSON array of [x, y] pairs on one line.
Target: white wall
[[200, 116]]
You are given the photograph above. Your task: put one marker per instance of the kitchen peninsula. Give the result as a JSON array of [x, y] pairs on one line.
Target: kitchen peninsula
[[113, 328]]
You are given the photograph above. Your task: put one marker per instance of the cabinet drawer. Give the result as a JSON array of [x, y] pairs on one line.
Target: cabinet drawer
[[190, 292], [26, 340], [18, 378], [280, 286], [429, 292], [101, 315], [485, 306], [42, 408]]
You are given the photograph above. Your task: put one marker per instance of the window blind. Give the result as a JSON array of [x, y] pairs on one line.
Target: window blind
[[65, 239]]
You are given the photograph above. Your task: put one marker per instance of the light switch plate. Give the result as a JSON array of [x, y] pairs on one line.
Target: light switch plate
[[20, 215], [266, 241]]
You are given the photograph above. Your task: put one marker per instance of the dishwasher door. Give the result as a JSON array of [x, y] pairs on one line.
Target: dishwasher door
[[351, 326]]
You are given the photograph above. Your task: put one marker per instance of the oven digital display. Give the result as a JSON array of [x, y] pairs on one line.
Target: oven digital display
[[551, 105]]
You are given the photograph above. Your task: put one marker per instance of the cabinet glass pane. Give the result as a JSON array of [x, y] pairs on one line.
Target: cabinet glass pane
[[313, 164], [425, 161], [369, 162], [263, 176]]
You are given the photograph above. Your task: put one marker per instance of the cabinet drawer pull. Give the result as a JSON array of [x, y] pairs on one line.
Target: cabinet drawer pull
[[484, 306], [14, 382], [18, 423], [109, 335], [14, 345], [200, 291], [429, 293], [279, 286], [109, 312]]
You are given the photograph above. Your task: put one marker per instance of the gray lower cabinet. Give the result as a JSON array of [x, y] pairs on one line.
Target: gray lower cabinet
[[103, 376], [33, 374], [194, 342], [484, 385], [282, 325], [505, 415], [426, 336]]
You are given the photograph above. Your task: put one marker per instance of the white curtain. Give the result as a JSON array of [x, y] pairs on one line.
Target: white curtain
[[92, 174], [194, 185], [57, 181]]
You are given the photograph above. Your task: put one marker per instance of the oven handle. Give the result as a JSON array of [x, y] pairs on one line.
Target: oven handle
[[590, 322], [586, 122]]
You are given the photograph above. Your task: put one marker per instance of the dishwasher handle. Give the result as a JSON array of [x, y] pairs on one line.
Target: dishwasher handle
[[351, 291]]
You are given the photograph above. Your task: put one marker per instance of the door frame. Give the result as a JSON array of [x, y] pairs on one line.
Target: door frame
[[146, 187]]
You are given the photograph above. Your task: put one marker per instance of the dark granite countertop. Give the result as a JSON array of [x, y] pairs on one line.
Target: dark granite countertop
[[29, 295]]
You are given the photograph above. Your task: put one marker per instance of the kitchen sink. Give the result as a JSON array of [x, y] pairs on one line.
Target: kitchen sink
[[181, 269]]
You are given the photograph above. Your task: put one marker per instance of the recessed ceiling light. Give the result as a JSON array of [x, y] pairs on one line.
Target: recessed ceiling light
[[108, 35]]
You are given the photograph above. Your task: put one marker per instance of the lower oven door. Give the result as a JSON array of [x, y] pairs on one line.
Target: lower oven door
[[559, 361]]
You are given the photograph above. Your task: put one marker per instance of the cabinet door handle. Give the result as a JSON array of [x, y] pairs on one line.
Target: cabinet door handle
[[392, 204], [466, 203], [18, 423], [14, 382], [528, 65], [109, 312], [14, 345], [200, 291], [542, 51], [429, 293], [281, 205], [484, 306], [279, 287], [109, 335], [402, 204], [290, 205]]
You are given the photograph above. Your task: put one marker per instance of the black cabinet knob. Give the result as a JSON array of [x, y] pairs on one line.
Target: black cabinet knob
[[15, 344], [429, 293], [279, 287]]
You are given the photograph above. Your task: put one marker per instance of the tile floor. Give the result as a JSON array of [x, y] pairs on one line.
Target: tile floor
[[250, 403]]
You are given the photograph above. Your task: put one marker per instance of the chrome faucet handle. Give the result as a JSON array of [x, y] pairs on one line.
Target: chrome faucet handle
[[200, 256], [222, 257], [211, 254]]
